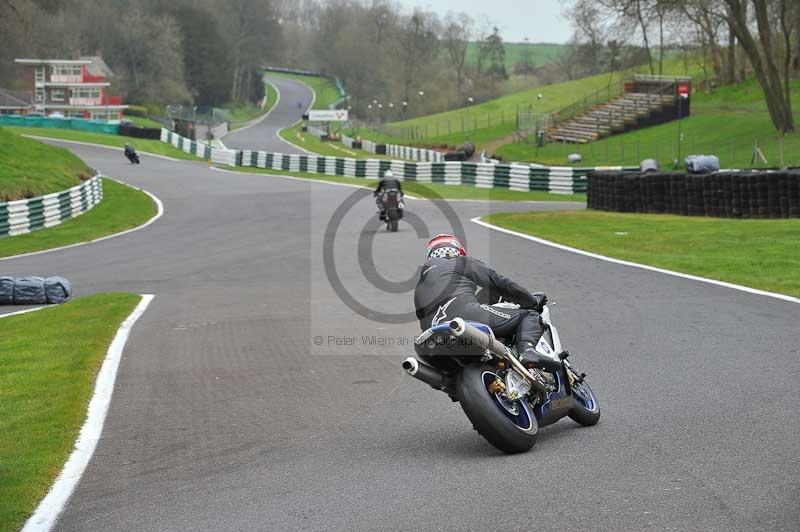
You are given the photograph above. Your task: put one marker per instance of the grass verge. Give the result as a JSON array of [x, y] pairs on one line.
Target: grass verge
[[243, 114], [756, 253], [430, 190], [122, 208], [49, 359], [727, 123], [29, 168], [142, 145], [143, 121]]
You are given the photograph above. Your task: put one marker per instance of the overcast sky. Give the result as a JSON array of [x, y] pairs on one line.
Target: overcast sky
[[538, 20]]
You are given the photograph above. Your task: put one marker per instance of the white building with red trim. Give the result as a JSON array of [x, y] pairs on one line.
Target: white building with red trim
[[75, 88]]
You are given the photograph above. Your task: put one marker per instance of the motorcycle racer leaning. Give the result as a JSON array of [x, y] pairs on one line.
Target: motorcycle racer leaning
[[447, 288]]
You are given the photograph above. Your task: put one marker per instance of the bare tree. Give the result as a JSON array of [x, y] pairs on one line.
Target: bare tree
[[769, 51], [458, 31]]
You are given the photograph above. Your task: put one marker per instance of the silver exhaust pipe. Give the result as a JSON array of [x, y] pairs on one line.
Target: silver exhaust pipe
[[422, 371], [461, 329]]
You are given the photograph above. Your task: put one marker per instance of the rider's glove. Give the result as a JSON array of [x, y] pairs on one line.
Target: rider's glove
[[541, 301]]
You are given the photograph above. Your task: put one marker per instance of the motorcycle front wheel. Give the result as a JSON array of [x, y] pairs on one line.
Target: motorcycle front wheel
[[510, 426], [586, 408]]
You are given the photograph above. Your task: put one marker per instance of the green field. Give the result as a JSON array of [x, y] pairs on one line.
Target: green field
[[496, 119], [122, 208], [726, 123], [541, 53], [430, 190], [760, 254], [50, 359], [29, 168], [326, 91], [142, 145]]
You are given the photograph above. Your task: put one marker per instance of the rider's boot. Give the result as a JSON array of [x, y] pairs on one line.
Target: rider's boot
[[531, 357]]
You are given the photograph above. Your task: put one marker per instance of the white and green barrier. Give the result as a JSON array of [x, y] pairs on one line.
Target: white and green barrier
[[192, 147], [414, 154], [23, 216], [514, 176]]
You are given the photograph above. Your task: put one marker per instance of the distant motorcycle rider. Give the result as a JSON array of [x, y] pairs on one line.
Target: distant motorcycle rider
[[386, 184], [447, 288], [130, 152]]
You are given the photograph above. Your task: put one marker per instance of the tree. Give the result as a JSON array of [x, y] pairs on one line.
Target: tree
[[492, 52], [205, 61], [769, 51], [418, 43], [458, 30]]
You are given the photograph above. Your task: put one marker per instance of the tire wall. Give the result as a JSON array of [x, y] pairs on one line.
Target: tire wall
[[747, 194]]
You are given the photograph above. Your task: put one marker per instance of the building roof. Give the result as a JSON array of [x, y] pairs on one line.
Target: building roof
[[97, 67], [15, 99], [52, 61]]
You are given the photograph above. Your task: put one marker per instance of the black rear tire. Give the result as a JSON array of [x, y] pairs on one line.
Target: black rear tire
[[393, 226], [490, 419], [586, 408]]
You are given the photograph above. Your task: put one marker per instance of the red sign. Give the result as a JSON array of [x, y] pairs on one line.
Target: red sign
[[683, 90]]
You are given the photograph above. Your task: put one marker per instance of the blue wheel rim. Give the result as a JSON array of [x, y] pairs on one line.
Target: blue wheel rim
[[523, 419], [585, 396]]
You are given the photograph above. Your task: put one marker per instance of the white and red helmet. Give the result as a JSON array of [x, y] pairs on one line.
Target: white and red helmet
[[444, 245]]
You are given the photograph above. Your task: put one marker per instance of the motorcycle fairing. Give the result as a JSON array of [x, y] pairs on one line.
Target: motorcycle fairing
[[557, 404]]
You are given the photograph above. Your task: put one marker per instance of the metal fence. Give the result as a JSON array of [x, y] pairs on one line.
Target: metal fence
[[741, 152]]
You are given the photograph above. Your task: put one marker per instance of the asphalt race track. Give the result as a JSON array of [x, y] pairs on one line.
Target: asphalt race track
[[226, 416], [295, 99]]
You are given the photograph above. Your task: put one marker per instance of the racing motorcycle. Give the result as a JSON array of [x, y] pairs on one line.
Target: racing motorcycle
[[392, 209], [131, 154], [505, 401]]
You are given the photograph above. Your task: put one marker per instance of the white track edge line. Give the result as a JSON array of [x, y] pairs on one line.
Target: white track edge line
[[310, 106], [146, 153], [257, 120], [48, 510], [159, 214], [605, 258], [19, 312]]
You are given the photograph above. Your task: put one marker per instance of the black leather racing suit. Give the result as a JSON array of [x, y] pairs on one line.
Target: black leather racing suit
[[385, 185], [447, 289]]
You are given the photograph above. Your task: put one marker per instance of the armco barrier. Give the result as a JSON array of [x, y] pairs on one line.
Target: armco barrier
[[414, 154], [750, 194], [78, 124], [521, 177], [186, 145], [24, 216], [351, 143]]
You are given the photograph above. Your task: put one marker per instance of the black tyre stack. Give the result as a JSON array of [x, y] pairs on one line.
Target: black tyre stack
[[749, 194]]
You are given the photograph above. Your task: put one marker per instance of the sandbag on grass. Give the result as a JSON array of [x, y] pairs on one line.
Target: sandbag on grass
[[34, 290], [6, 290], [57, 290], [29, 291]]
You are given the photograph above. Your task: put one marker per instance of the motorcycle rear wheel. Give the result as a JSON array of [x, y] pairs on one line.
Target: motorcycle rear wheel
[[393, 226], [586, 408], [509, 426]]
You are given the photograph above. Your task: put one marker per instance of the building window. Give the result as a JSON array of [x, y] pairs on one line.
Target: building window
[[57, 95], [67, 70], [39, 74], [86, 92]]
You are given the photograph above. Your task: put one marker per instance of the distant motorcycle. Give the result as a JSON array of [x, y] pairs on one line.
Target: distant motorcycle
[[505, 401], [392, 209], [131, 154]]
